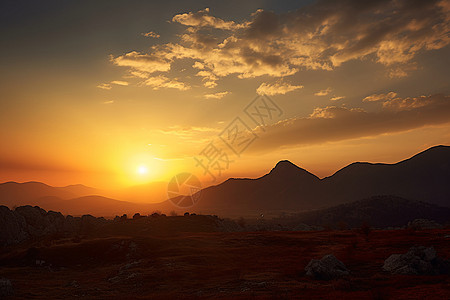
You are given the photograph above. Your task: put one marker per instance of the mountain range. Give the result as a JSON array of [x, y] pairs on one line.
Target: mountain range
[[423, 177], [286, 188]]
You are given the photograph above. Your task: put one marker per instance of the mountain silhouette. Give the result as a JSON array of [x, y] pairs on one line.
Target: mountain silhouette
[[13, 193], [377, 211], [287, 187], [423, 177]]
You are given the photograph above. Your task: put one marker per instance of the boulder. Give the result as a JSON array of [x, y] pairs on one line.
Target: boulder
[[417, 261], [329, 267], [423, 224], [12, 227], [38, 225]]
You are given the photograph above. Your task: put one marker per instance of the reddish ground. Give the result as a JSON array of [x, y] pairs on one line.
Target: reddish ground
[[261, 265]]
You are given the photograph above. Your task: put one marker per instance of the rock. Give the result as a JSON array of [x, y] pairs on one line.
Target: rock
[[6, 288], [12, 227], [422, 224], [417, 261], [38, 224], [73, 283], [329, 267], [305, 227]]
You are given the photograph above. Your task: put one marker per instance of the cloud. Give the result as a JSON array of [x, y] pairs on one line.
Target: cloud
[[277, 88], [319, 36], [108, 86], [409, 103], [339, 123], [219, 95], [392, 102], [402, 71], [145, 63], [336, 98], [202, 18], [104, 86], [119, 82], [151, 34], [379, 97], [161, 81], [323, 92], [193, 133], [108, 102]]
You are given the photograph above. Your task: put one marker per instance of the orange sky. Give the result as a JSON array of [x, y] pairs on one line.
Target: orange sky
[[90, 94]]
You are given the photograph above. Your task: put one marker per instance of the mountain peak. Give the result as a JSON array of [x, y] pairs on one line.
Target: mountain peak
[[286, 169], [285, 166]]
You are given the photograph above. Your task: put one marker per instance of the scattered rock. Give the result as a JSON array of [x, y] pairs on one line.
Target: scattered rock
[[6, 288], [306, 227], [417, 261], [329, 267], [73, 283], [422, 224]]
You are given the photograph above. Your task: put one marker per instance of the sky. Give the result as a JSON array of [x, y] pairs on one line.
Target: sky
[[120, 93]]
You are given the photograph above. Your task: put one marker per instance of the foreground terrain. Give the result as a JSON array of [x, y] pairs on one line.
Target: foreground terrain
[[239, 265]]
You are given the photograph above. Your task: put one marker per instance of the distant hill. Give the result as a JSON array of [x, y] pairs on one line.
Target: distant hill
[[80, 190], [16, 194], [95, 205], [377, 211]]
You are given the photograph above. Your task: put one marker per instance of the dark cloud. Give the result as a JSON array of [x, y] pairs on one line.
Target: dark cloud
[[340, 123]]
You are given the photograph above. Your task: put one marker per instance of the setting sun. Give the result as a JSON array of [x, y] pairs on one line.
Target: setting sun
[[142, 170]]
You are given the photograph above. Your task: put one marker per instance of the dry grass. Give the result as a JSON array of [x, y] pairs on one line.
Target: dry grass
[[262, 265]]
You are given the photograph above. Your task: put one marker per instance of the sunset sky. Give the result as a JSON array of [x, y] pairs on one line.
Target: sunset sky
[[118, 93]]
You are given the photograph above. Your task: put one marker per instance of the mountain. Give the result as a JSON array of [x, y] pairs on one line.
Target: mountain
[[95, 205], [73, 199], [423, 177], [377, 211], [279, 189], [13, 193], [80, 190]]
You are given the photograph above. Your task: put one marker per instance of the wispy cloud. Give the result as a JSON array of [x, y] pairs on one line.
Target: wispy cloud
[[219, 95], [151, 34], [277, 88], [119, 82], [336, 98], [323, 92], [108, 86], [162, 81], [379, 97], [104, 86]]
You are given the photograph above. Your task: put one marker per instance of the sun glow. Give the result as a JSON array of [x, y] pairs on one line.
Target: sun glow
[[142, 170]]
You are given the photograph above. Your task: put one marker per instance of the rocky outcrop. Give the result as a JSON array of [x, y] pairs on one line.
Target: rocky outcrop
[[12, 227], [327, 268], [28, 222], [423, 224], [6, 288], [417, 261]]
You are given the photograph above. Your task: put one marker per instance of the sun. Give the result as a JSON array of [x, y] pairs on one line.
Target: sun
[[142, 170]]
